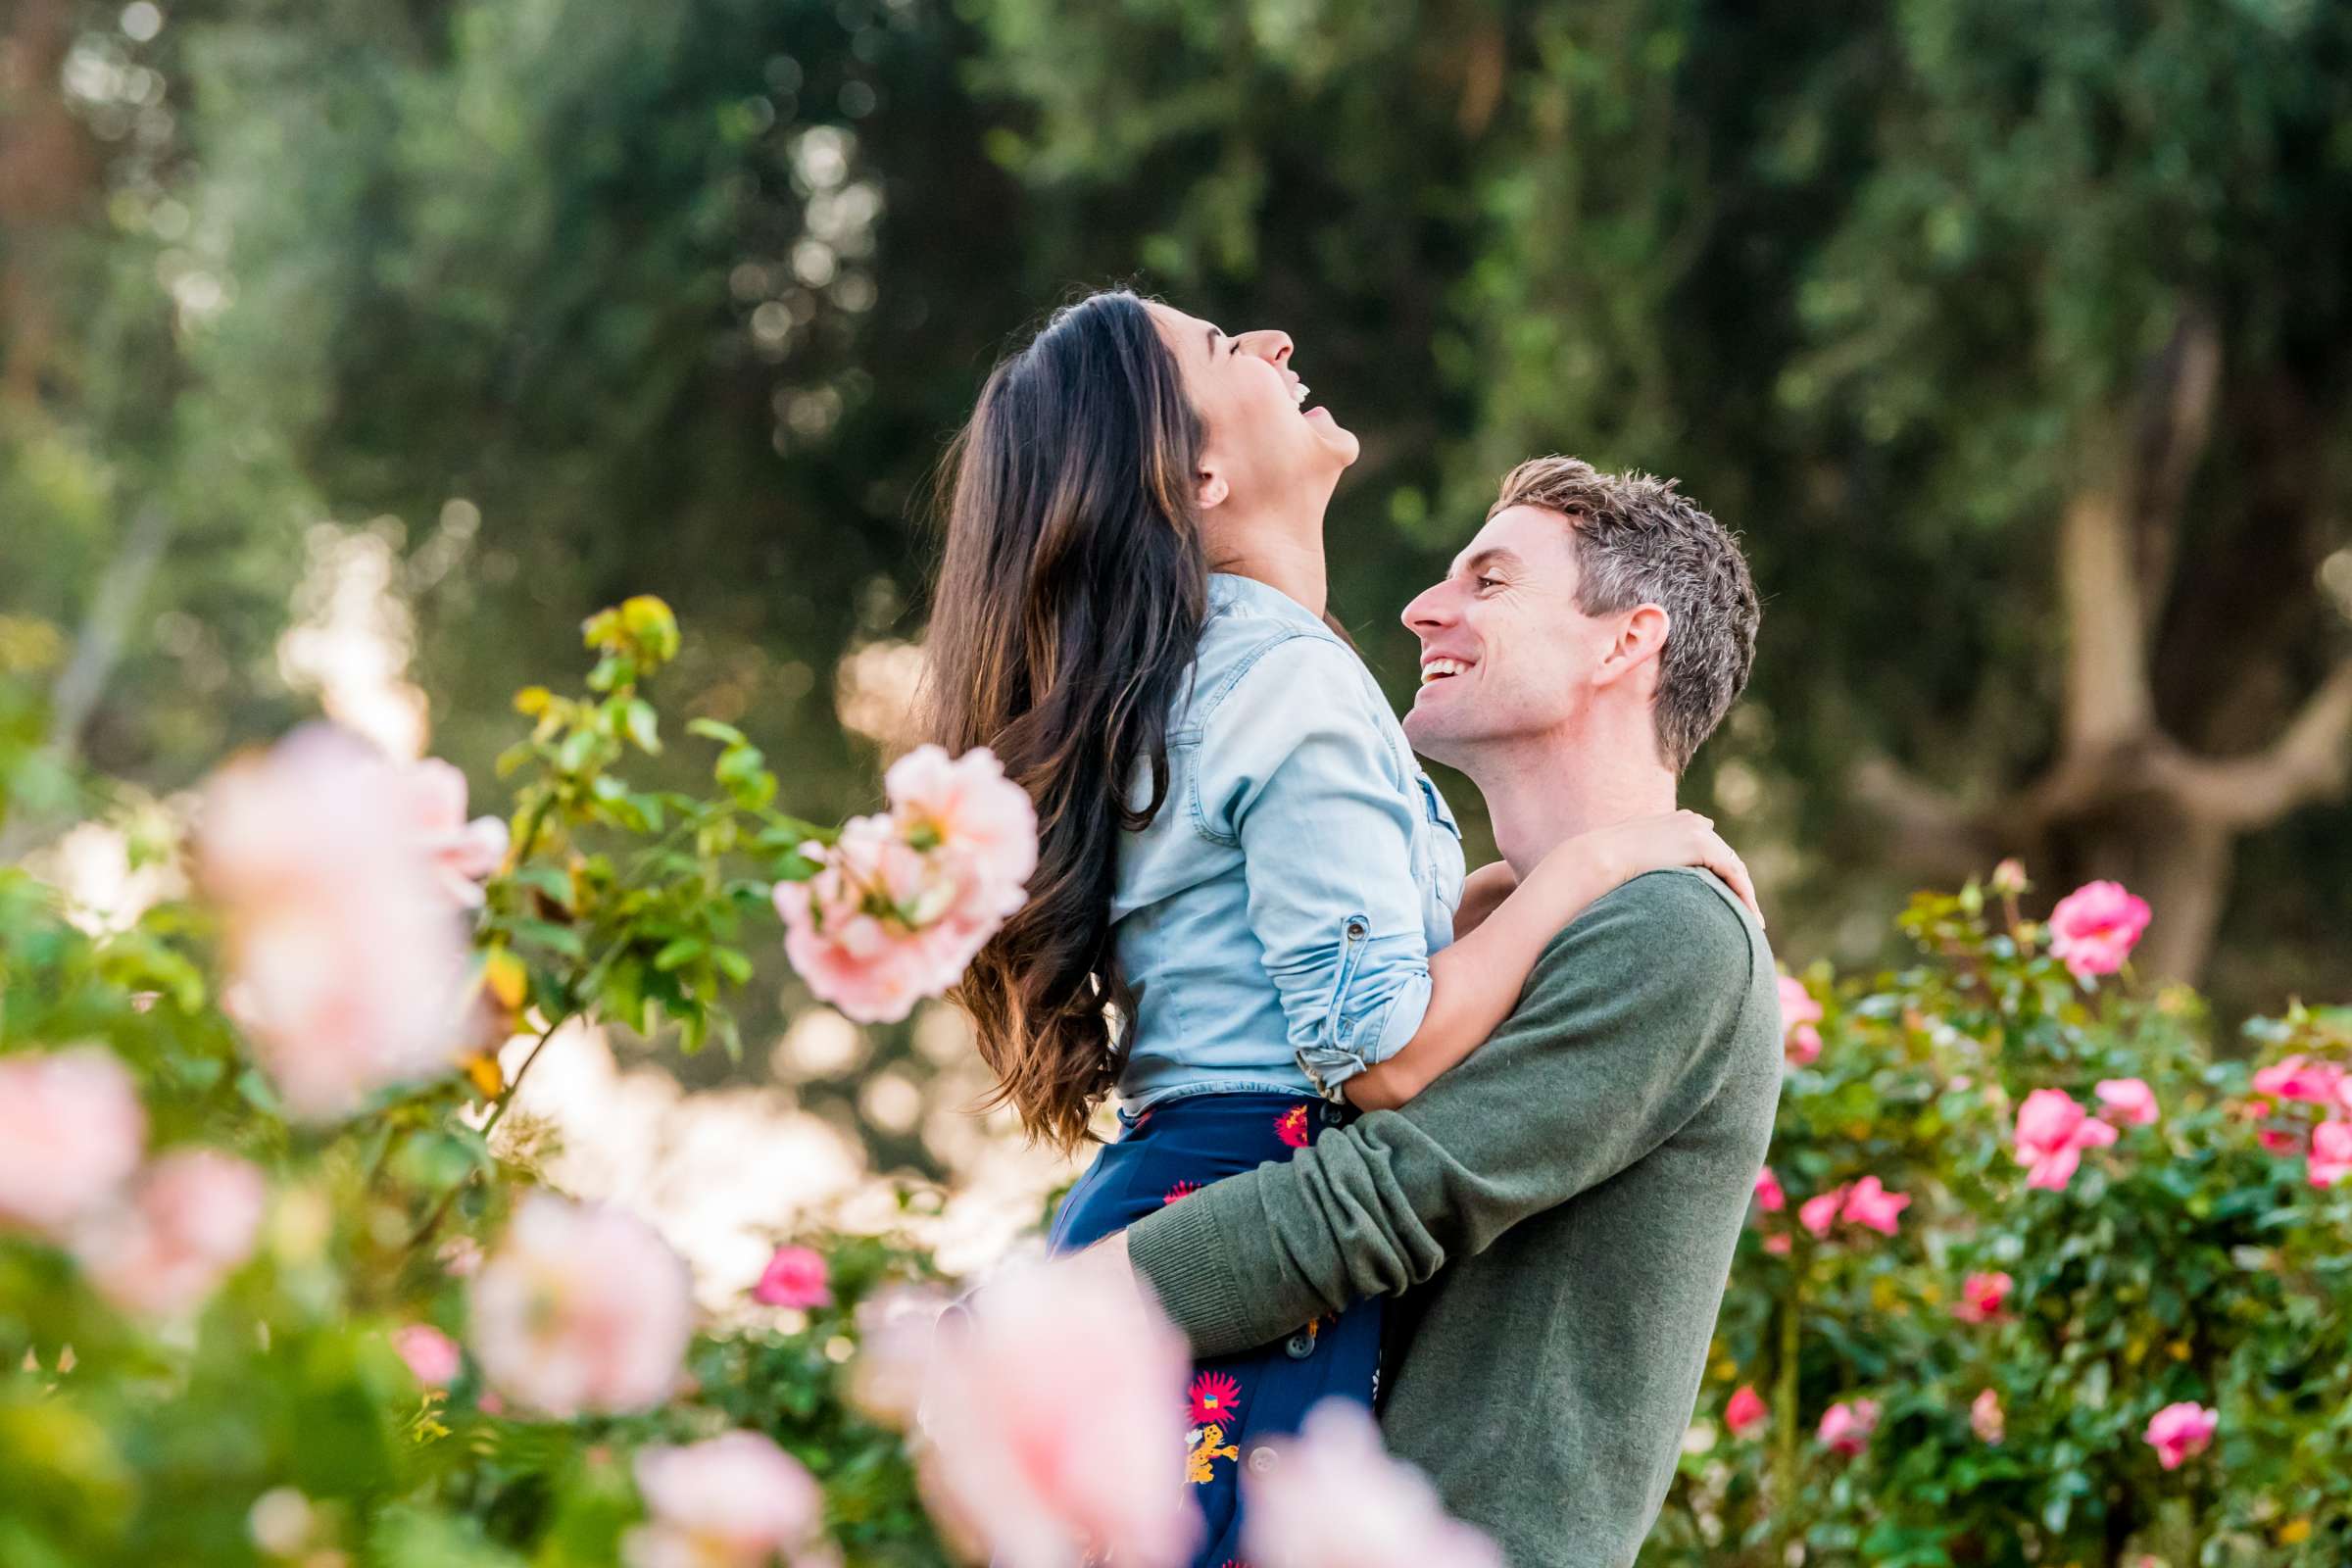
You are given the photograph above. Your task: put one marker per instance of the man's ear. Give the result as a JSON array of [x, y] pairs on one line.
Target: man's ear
[[1641, 639]]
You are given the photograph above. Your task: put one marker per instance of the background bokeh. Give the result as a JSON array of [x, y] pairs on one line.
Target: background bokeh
[[352, 350]]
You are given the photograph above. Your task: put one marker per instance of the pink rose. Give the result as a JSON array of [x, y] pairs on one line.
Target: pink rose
[[903, 903], [2052, 1131], [348, 966], [1334, 1499], [736, 1501], [1981, 1298], [462, 853], [1054, 1410], [795, 1277], [968, 808], [1847, 1428], [2125, 1102], [1769, 1196], [1818, 1214], [1873, 1208], [2331, 1152], [1799, 1012], [1744, 1411], [433, 1356], [1780, 1244], [2180, 1433], [2298, 1079], [191, 1221], [2280, 1141], [1985, 1419], [70, 1131], [2095, 927], [582, 1309], [2009, 878], [1796, 1004]]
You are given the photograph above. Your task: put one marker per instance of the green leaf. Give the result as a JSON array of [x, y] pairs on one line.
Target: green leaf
[[712, 729], [560, 938], [678, 950]]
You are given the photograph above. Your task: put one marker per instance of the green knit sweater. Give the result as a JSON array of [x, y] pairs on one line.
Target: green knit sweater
[[1562, 1211]]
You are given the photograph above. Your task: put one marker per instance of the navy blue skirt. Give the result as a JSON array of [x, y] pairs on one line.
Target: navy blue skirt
[[1237, 1402]]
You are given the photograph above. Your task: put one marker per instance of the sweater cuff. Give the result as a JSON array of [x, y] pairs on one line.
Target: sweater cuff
[[1182, 1252]]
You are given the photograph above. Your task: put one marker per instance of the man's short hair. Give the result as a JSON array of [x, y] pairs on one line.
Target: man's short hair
[[1640, 541]]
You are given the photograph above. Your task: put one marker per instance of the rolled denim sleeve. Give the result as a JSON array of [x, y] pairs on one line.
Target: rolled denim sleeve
[[1296, 770]]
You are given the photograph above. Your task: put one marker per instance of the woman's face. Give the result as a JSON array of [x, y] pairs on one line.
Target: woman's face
[[1264, 443]]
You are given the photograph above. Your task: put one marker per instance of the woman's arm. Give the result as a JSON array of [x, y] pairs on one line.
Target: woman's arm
[[1475, 983], [1483, 892]]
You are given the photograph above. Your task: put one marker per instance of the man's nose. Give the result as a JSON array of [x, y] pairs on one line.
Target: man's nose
[[1267, 344], [1427, 613]]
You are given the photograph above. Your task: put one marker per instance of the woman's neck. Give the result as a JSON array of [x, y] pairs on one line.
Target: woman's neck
[[1283, 553]]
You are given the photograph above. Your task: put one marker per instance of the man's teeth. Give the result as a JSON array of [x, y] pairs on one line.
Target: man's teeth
[[1298, 395], [1440, 667]]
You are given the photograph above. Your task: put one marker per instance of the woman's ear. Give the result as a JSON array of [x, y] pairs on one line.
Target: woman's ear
[[1209, 488]]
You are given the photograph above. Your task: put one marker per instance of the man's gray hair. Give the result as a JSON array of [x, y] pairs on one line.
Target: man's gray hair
[[1640, 541]]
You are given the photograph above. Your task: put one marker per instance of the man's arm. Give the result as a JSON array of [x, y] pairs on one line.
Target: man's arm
[[1605, 1058]]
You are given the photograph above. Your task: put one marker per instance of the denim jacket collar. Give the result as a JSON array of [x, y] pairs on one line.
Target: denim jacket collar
[[1226, 588]]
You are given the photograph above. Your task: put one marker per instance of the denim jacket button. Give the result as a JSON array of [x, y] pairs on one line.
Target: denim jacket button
[[1299, 1346]]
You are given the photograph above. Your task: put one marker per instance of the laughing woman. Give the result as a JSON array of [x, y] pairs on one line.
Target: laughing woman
[[1244, 921]]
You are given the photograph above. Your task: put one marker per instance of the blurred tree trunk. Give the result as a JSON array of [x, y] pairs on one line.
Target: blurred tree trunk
[[2125, 792], [47, 168]]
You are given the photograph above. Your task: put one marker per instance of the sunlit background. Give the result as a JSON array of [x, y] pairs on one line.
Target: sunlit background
[[352, 351]]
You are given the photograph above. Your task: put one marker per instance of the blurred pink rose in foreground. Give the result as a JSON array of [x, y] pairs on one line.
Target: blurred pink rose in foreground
[[582, 1309], [2052, 1131], [2180, 1433], [2125, 1102], [1799, 1014], [1847, 1428], [189, 1223], [904, 901], [1872, 1207], [896, 1327], [736, 1501], [462, 853], [1052, 1414], [2331, 1152], [1744, 1411], [433, 1357], [1981, 1298], [1985, 1419], [2095, 927], [70, 1132], [1771, 1198], [794, 1277], [1334, 1499], [348, 963], [1818, 1214]]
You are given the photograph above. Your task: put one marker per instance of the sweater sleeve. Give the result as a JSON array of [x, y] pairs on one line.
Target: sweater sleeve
[[1608, 1054]]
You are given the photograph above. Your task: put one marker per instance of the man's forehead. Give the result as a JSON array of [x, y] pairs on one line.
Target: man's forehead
[[1521, 537]]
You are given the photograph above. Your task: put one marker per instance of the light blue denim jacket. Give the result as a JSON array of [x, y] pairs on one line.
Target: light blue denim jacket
[[1275, 920]]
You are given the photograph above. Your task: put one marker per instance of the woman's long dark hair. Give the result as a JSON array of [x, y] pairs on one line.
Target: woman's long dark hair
[[1065, 617]]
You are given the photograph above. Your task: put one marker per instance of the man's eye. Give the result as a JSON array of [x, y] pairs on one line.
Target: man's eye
[[1489, 582]]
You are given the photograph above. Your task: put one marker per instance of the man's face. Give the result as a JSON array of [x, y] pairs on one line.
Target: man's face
[[1505, 653]]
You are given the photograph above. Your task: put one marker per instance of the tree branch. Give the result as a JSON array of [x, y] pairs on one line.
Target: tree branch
[[2311, 761]]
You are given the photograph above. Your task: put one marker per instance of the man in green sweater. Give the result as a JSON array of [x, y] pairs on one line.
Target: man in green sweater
[[1557, 1213]]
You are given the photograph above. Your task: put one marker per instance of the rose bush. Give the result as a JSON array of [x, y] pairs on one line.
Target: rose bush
[[2109, 1326]]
